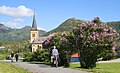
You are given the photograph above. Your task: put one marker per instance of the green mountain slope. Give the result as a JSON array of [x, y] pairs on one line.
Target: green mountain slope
[[72, 22], [115, 25], [8, 34], [66, 26]]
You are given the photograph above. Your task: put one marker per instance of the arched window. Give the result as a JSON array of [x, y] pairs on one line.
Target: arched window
[[39, 47]]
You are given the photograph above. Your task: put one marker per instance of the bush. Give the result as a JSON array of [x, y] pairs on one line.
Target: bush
[[107, 55], [93, 39], [8, 57], [39, 55], [27, 57], [3, 54]]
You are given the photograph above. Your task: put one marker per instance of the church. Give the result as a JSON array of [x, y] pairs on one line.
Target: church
[[35, 40]]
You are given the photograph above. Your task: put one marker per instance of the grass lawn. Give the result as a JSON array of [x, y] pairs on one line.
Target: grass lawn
[[2, 56], [10, 68], [100, 68]]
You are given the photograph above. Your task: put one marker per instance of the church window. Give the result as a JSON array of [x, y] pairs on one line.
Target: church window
[[39, 47], [33, 35]]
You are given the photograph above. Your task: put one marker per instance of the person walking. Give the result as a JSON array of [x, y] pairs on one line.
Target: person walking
[[17, 56], [55, 56], [12, 56]]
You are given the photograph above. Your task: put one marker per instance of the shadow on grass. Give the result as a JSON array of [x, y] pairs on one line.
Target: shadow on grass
[[87, 68], [78, 67]]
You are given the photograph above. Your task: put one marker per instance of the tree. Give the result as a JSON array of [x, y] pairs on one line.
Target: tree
[[65, 45], [93, 38]]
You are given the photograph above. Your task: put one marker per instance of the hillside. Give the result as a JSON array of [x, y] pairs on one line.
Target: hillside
[[8, 34], [66, 26], [115, 25], [72, 22]]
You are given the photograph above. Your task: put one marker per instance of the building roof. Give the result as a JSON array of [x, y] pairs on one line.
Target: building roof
[[76, 55], [39, 40]]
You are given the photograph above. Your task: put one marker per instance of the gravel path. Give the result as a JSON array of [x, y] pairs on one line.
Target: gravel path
[[41, 68]]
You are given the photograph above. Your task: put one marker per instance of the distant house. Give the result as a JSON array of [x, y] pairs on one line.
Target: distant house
[[75, 57], [2, 48]]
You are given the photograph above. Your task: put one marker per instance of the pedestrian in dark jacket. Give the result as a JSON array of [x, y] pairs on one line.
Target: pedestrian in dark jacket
[[16, 56]]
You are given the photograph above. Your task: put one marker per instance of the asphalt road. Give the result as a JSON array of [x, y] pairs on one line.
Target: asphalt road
[[41, 68]]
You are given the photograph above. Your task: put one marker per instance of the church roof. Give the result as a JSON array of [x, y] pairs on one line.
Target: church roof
[[34, 24], [39, 40]]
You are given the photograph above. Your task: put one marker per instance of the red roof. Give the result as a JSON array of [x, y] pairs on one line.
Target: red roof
[[75, 55]]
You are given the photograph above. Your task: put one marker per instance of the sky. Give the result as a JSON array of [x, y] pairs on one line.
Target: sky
[[51, 13]]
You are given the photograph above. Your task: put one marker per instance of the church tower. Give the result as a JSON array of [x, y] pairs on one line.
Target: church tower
[[34, 33], [35, 40]]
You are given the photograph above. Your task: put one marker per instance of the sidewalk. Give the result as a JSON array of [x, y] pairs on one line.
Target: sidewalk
[[115, 60], [41, 68]]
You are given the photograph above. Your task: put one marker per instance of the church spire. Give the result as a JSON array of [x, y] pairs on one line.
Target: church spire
[[34, 25]]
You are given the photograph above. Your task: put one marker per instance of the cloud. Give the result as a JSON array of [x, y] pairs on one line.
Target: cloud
[[20, 11], [40, 28], [14, 22]]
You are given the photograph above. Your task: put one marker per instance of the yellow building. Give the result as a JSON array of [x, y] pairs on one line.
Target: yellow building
[[35, 40]]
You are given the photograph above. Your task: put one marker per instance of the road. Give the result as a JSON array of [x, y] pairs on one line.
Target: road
[[41, 68]]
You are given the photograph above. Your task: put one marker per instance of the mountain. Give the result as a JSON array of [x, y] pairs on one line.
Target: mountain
[[8, 34], [115, 25], [72, 22], [66, 26]]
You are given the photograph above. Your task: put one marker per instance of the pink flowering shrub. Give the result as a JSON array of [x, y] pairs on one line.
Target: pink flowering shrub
[[93, 38]]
